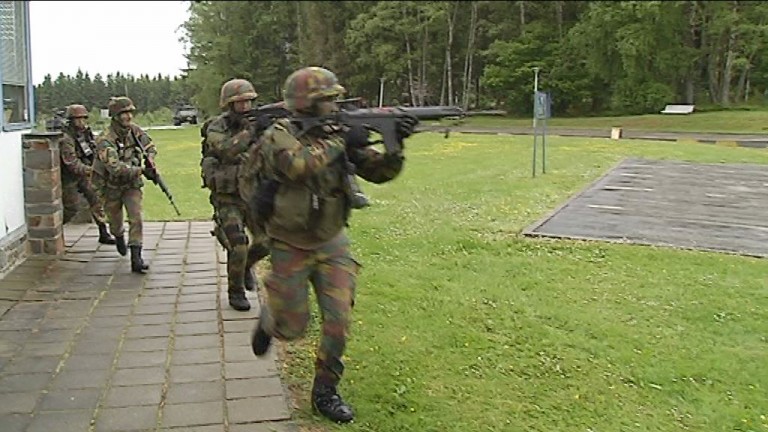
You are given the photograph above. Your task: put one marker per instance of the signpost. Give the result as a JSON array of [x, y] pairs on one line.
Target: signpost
[[541, 112]]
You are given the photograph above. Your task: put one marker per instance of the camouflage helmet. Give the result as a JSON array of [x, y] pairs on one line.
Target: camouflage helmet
[[119, 105], [76, 111], [236, 90], [304, 86]]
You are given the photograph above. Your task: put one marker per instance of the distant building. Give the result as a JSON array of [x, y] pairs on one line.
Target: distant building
[[17, 98]]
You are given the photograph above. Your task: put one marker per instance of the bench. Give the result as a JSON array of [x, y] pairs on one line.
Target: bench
[[678, 109]]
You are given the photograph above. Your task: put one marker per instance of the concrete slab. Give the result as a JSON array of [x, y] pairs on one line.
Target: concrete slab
[[714, 207]]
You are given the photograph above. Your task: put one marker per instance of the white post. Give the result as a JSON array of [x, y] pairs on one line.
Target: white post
[[381, 92]]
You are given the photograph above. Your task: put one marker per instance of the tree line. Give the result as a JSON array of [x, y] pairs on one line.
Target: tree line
[[149, 94], [594, 57]]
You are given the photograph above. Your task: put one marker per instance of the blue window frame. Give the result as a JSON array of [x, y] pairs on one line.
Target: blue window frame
[[16, 91]]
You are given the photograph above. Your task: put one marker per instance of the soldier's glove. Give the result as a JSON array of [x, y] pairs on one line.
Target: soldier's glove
[[257, 125], [150, 173], [356, 137], [406, 124]]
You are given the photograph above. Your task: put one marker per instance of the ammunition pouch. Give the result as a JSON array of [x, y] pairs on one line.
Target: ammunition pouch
[[219, 178]]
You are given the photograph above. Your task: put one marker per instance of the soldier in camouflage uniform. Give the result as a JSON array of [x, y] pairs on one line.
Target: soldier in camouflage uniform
[[117, 170], [226, 143], [77, 154], [304, 172]]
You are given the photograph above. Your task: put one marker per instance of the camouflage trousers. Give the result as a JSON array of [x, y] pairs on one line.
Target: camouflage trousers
[[70, 197], [232, 220], [114, 201], [332, 272]]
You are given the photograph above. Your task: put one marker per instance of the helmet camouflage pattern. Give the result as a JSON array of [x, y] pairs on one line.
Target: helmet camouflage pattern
[[236, 90], [76, 111], [119, 105], [304, 86]]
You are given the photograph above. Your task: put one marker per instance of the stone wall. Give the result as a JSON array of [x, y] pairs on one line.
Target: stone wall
[[42, 193], [13, 249]]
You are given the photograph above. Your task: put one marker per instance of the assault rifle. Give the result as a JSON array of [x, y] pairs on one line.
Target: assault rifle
[[380, 120], [151, 172], [383, 121]]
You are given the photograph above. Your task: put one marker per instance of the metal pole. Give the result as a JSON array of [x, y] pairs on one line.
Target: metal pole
[[535, 89], [381, 92]]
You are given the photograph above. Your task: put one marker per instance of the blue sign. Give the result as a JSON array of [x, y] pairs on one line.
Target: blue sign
[[542, 105]]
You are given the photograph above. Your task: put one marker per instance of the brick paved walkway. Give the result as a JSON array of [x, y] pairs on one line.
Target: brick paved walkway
[[86, 345]]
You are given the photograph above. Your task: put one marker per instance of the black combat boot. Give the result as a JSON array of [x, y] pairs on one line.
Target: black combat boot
[[260, 340], [137, 264], [104, 237], [238, 300], [122, 249], [327, 401]]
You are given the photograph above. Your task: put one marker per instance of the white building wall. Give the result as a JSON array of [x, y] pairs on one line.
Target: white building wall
[[11, 183]]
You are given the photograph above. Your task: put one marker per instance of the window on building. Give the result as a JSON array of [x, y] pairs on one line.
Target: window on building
[[14, 64]]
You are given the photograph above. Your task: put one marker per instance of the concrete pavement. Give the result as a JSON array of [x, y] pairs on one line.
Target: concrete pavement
[[86, 345]]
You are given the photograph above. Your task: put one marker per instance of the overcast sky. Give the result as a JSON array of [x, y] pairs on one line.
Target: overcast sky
[[104, 37]]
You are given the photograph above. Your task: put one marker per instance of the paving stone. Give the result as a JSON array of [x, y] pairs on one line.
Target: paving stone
[[179, 393], [48, 336], [196, 306], [135, 359], [239, 326], [132, 418], [61, 323], [152, 309], [193, 414], [265, 427], [198, 298], [170, 298], [80, 379], [17, 403], [89, 362], [257, 368], [62, 400], [196, 328], [120, 396], [15, 422], [136, 376], [198, 287], [208, 428], [243, 353], [21, 365], [195, 373], [111, 311], [147, 344], [44, 349], [252, 410], [253, 387], [197, 341], [227, 313], [95, 346], [197, 316], [24, 383], [152, 319], [149, 330], [161, 283], [107, 322], [61, 421], [237, 339], [195, 356]]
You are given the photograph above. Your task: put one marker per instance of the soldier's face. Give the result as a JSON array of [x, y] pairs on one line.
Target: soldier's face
[[326, 106], [242, 106], [125, 118], [80, 122]]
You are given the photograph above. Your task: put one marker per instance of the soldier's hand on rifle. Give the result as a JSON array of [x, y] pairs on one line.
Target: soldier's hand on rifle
[[356, 137], [406, 125], [150, 172]]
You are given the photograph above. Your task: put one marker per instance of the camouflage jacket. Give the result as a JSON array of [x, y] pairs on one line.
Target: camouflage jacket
[[310, 205], [77, 150], [225, 154], [119, 159]]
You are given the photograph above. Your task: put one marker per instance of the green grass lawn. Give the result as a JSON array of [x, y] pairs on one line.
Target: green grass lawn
[[461, 324], [721, 121]]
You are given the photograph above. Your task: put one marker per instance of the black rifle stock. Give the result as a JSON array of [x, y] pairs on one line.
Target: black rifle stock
[[155, 177]]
